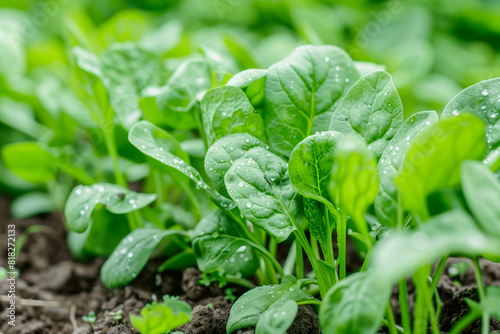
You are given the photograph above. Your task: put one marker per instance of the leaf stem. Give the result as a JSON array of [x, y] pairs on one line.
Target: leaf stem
[[390, 319], [341, 241], [405, 310], [299, 262], [485, 324]]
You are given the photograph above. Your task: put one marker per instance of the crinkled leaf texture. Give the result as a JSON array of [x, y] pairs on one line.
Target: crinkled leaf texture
[[302, 91], [391, 162], [311, 165], [259, 184], [433, 160], [116, 199], [132, 254], [162, 318], [161, 146], [252, 306], [482, 100], [451, 233], [218, 241], [356, 305], [482, 191], [317, 228], [227, 110], [371, 108], [221, 156]]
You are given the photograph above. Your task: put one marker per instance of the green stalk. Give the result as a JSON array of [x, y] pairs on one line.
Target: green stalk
[[422, 285], [438, 273], [485, 324], [329, 258], [341, 241], [290, 259], [271, 259], [390, 319], [405, 310], [463, 323], [133, 218], [314, 245], [299, 262]]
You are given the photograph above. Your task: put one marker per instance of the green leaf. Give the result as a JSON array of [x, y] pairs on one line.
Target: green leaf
[[259, 184], [451, 233], [356, 305], [302, 91], [162, 318], [218, 241], [433, 160], [482, 191], [161, 146], [31, 204], [277, 318], [488, 305], [132, 254], [371, 108], [354, 181], [252, 82], [221, 156], [391, 162], [252, 305], [317, 228], [178, 98], [15, 158], [482, 100], [226, 110], [311, 164], [116, 199]]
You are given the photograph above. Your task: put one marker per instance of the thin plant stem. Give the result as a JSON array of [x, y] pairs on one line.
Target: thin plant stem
[[299, 262], [341, 241], [485, 324], [438, 272], [404, 306], [390, 319]]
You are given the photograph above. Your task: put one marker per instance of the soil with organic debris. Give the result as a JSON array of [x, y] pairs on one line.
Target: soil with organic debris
[[54, 290]]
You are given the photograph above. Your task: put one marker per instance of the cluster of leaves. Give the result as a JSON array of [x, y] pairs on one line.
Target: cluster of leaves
[[234, 160]]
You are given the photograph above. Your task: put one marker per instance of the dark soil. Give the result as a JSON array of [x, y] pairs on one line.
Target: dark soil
[[54, 290]]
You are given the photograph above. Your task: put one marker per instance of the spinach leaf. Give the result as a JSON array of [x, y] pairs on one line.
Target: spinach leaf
[[116, 199], [259, 184], [482, 191], [355, 305], [312, 212], [160, 318], [372, 108], [220, 241], [161, 146], [450, 233], [488, 305], [226, 110], [311, 164], [221, 156], [433, 160], [277, 318], [252, 82], [251, 307], [178, 98], [302, 91], [482, 100], [391, 162], [354, 182], [132, 254]]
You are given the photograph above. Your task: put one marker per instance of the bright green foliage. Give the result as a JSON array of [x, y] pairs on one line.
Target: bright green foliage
[[354, 182], [252, 307], [317, 228], [391, 163], [221, 156], [15, 158], [116, 199], [161, 146], [433, 160], [482, 190], [371, 108], [453, 232], [302, 91], [259, 184], [252, 82], [356, 305], [132, 254], [277, 318], [226, 110], [311, 164], [159, 318], [177, 99], [482, 100], [218, 241]]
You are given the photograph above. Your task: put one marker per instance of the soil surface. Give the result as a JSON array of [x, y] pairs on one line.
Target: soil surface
[[54, 291]]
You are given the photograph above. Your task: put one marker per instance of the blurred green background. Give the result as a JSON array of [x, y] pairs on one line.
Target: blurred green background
[[432, 48]]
